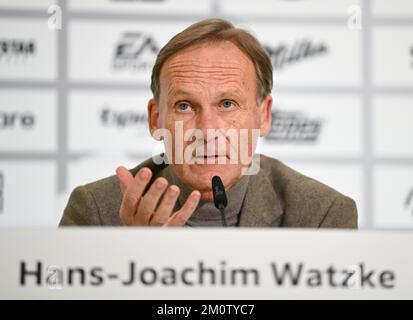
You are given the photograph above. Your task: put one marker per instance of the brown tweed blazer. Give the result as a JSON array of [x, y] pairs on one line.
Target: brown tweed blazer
[[277, 196]]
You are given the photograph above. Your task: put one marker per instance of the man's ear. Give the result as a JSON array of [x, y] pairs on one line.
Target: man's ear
[[153, 116], [265, 115]]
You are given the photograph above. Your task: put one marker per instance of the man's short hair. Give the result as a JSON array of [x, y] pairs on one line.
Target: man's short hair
[[217, 30]]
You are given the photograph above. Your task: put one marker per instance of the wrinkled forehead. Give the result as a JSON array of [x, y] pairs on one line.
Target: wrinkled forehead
[[210, 64]]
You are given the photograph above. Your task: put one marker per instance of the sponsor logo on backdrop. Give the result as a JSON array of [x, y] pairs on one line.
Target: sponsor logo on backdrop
[[122, 119], [16, 50], [295, 127], [135, 51], [284, 54], [1, 192], [14, 119], [408, 203]]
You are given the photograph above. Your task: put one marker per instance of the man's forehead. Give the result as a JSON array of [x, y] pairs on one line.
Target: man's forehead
[[209, 56], [222, 61]]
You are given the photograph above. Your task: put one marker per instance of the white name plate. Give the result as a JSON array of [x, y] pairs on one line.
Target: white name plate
[[143, 263]]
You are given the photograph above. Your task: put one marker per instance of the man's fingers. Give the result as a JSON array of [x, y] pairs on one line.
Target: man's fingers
[[150, 200], [180, 217], [125, 178], [165, 208], [133, 194], [139, 209]]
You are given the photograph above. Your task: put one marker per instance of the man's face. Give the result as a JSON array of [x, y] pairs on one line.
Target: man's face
[[209, 87]]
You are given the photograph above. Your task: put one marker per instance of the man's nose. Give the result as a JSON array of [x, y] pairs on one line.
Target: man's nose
[[207, 119]]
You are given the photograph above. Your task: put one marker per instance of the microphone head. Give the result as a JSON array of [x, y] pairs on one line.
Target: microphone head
[[218, 190]]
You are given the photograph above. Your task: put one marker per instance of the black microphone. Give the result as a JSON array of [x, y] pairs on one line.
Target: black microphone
[[220, 198]]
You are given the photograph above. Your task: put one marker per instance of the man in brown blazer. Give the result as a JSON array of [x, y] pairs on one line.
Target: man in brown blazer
[[211, 77]]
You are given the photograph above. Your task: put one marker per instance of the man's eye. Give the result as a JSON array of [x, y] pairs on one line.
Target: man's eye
[[183, 107], [227, 105]]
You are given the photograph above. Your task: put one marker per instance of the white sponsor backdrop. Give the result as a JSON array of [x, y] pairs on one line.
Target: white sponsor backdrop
[[108, 122], [28, 120], [92, 47], [28, 50], [28, 193], [338, 65], [73, 101]]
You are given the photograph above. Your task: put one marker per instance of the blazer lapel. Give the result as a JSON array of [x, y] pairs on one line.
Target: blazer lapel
[[262, 206]]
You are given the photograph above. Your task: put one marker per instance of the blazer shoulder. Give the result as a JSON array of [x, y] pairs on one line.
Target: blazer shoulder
[[307, 202], [95, 203]]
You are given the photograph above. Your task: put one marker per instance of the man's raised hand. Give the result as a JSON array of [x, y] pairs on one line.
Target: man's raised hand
[[139, 209]]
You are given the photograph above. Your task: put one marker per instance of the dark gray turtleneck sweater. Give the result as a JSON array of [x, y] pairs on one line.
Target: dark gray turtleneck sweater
[[206, 215]]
